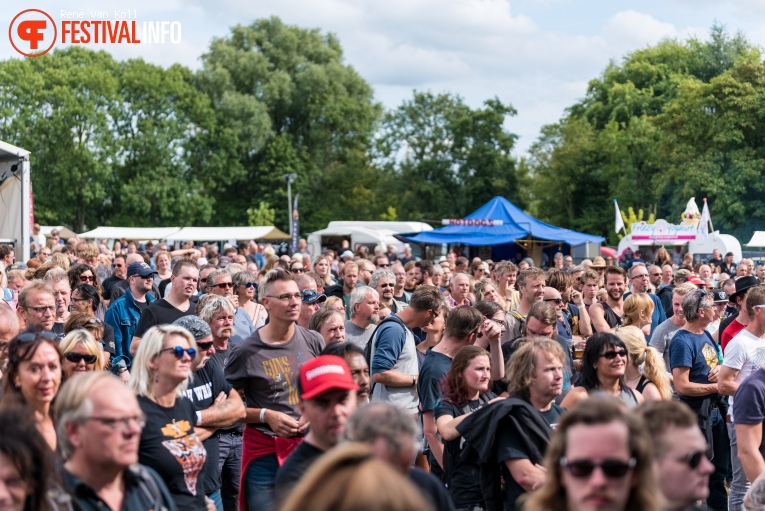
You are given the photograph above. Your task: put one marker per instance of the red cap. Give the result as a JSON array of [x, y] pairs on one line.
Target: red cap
[[325, 373], [693, 279]]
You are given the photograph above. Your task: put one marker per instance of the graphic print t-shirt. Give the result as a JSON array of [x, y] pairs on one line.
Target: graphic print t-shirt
[[170, 446], [268, 373], [697, 352]]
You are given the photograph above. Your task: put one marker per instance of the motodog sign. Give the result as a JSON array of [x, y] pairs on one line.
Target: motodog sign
[[32, 32]]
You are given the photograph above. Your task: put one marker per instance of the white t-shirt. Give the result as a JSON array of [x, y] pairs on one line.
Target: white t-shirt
[[745, 353]]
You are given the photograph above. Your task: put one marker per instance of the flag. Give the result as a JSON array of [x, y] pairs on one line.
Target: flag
[[705, 219], [619, 222]]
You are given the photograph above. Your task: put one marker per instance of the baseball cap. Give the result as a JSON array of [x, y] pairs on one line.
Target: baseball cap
[[323, 373], [719, 295], [695, 280], [347, 253], [141, 269], [224, 261], [312, 296]]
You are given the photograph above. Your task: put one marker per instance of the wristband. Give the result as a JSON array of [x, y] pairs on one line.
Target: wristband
[[199, 418], [263, 415], [414, 380]]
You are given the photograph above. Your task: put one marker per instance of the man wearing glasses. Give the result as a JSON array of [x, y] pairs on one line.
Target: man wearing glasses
[[744, 355], [119, 273], [101, 424], [220, 283], [265, 367], [37, 306], [639, 279], [681, 465], [694, 361], [384, 282]]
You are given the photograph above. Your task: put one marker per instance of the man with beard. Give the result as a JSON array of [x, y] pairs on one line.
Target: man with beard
[[365, 306], [760, 273], [426, 272], [573, 312], [531, 283], [218, 313], [366, 268], [608, 315], [661, 337], [344, 289], [413, 276], [384, 282], [175, 305], [125, 311], [119, 269], [327, 399], [217, 404]]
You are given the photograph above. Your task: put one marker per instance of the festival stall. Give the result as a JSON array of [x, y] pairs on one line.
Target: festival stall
[[501, 230]]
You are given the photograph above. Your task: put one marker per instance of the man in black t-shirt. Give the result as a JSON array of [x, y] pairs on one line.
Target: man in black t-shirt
[[327, 399], [118, 275], [175, 305], [216, 403], [535, 374]]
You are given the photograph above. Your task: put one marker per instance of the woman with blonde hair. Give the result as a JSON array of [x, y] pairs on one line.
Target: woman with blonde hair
[[349, 478], [162, 260], [486, 289], [82, 353], [321, 267], [159, 376], [652, 381], [60, 260], [638, 308]]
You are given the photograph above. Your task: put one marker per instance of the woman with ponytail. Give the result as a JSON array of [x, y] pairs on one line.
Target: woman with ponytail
[[653, 381]]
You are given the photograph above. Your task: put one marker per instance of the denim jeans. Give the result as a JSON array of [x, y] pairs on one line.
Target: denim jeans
[[718, 495], [230, 468], [740, 485], [259, 483], [215, 497]]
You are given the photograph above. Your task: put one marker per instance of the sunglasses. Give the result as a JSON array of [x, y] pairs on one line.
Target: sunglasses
[[386, 285], [558, 301], [87, 278], [613, 469], [31, 336], [297, 270], [693, 460], [248, 285], [75, 358], [612, 354], [224, 285], [383, 265], [204, 346], [178, 352]]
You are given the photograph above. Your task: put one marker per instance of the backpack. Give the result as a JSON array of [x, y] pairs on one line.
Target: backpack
[[368, 347], [450, 453]]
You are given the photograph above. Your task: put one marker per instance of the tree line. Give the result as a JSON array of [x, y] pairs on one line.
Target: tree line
[[134, 144]]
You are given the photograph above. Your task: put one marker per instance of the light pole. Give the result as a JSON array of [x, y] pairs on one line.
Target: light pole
[[289, 178]]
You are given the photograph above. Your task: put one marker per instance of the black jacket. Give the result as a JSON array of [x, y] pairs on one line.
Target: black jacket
[[336, 290], [665, 295], [480, 430]]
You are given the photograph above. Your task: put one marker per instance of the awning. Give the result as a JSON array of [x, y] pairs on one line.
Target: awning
[[228, 233], [130, 233], [758, 240], [516, 225], [63, 232]]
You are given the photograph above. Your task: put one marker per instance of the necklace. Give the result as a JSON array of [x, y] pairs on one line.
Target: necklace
[[166, 411]]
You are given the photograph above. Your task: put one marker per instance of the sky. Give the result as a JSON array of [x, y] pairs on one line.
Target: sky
[[537, 55]]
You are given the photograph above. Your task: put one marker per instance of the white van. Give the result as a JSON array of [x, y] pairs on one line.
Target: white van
[[370, 234]]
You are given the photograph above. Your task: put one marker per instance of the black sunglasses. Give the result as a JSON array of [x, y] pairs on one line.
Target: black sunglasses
[[75, 358], [558, 301], [32, 336], [693, 459], [224, 284], [297, 270], [178, 352], [248, 285], [611, 468], [204, 346], [612, 354]]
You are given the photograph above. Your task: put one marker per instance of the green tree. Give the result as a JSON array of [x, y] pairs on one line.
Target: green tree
[[264, 214], [442, 158], [304, 111]]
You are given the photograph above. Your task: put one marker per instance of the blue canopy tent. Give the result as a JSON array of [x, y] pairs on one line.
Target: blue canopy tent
[[517, 232]]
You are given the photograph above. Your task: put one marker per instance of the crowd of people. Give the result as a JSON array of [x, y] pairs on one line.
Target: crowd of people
[[143, 378]]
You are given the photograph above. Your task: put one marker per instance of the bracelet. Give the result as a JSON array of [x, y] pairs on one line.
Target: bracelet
[[414, 381], [199, 418], [263, 415]]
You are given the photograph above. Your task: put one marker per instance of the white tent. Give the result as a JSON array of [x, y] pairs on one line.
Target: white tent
[[130, 233], [16, 219], [228, 233], [758, 240], [63, 232]]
